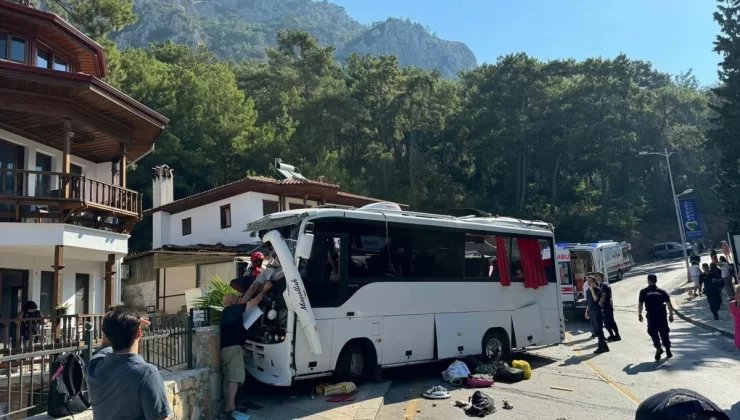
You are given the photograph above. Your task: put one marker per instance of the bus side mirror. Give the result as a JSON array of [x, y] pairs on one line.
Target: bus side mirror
[[304, 246]]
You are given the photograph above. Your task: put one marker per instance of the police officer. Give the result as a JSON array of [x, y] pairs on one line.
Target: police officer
[[655, 300], [607, 305], [595, 313]]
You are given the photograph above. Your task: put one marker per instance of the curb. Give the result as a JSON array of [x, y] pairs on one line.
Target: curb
[[700, 324]]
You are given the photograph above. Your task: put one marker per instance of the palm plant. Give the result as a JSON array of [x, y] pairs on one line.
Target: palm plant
[[213, 298]]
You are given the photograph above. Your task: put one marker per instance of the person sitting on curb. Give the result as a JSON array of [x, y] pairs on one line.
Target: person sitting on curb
[[120, 383], [233, 336]]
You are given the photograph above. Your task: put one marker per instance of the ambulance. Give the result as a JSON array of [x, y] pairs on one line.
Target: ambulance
[[603, 256], [568, 292]]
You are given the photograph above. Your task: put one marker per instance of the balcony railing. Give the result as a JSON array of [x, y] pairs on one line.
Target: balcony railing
[[44, 193]]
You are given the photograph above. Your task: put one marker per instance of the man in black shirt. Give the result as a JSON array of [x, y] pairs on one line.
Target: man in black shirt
[[655, 300], [595, 313], [233, 336], [607, 305]]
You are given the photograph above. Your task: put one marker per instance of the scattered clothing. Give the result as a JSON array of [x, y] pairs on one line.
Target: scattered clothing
[[480, 380], [335, 389], [507, 406], [481, 405], [456, 373], [436, 393], [676, 404], [342, 397]]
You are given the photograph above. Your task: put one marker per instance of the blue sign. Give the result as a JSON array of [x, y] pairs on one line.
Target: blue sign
[[690, 218]]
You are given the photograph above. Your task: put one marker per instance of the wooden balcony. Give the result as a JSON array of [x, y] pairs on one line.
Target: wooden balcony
[[54, 197]]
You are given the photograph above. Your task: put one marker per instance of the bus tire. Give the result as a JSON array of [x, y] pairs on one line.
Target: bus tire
[[356, 361], [496, 345]]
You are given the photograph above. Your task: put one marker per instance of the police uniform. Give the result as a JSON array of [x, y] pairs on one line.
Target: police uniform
[[655, 299], [609, 323], [596, 314]]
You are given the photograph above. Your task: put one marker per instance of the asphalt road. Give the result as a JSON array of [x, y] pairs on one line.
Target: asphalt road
[[569, 382]]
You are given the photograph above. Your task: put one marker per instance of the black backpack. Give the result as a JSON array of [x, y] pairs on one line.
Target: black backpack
[[481, 405], [67, 386]]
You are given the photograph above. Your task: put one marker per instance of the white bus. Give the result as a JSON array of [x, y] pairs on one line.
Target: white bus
[[380, 287]]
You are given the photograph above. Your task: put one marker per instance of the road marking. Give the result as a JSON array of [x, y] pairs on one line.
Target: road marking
[[598, 371]]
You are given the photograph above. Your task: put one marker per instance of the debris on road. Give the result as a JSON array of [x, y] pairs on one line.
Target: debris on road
[[507, 406], [481, 405], [326, 390], [560, 388], [436, 393], [524, 366], [456, 373]]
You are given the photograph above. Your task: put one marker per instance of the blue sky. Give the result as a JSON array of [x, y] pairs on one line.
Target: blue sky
[[675, 35]]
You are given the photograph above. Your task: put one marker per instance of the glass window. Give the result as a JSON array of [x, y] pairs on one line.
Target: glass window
[[515, 260], [269, 207], [43, 59], [226, 216], [18, 50], [434, 253], [548, 260], [43, 181], [324, 270], [186, 226], [82, 292], [60, 64], [369, 252], [480, 256], [47, 289], [3, 46]]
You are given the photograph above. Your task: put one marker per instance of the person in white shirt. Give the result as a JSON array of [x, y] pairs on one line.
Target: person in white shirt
[[695, 274], [724, 266]]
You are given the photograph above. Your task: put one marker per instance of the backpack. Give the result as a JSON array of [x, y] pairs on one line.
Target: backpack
[[481, 405], [67, 386], [508, 374]]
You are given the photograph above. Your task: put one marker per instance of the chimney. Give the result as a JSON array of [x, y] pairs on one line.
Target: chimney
[[162, 185]]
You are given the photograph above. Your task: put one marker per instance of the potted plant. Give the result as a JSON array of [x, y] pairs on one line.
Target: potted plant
[[62, 308], [213, 298]]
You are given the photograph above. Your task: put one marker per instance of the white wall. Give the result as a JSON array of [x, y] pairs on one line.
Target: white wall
[[36, 264], [206, 221], [100, 172]]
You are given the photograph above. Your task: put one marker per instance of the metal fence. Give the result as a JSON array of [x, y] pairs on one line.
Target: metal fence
[[24, 368]]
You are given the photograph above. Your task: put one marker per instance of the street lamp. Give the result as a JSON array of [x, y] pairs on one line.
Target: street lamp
[[667, 156]]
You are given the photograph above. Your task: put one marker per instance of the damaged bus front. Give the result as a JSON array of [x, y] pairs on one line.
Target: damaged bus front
[[269, 339]]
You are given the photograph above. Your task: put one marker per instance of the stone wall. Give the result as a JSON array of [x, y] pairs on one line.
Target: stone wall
[[139, 295]]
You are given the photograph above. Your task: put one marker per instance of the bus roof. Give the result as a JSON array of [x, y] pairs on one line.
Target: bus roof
[[497, 224]]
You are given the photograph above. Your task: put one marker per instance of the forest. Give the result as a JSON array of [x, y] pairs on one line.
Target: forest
[[552, 140]]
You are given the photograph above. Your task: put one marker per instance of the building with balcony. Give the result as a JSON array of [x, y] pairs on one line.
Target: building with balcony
[[66, 141]]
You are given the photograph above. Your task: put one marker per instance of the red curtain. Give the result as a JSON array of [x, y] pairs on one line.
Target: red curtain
[[532, 266], [502, 258]]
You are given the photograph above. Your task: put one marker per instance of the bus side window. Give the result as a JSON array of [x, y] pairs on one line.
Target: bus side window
[[324, 271], [480, 256], [515, 261], [548, 260]]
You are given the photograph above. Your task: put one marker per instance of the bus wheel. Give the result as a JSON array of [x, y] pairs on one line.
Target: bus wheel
[[496, 345], [355, 362]]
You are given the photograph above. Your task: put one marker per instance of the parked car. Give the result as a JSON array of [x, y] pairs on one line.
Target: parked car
[[667, 250]]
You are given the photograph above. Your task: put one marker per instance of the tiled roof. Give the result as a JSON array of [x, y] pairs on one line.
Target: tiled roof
[[293, 187]]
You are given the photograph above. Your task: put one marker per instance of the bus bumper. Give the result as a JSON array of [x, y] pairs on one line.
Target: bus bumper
[[269, 364]]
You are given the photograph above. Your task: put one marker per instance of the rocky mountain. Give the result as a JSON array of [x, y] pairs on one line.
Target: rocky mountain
[[240, 29]]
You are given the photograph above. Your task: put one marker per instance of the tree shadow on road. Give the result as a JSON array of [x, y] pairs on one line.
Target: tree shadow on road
[[644, 367], [573, 343]]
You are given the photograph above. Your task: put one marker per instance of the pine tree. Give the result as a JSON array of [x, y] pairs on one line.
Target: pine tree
[[725, 132]]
